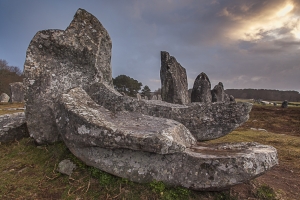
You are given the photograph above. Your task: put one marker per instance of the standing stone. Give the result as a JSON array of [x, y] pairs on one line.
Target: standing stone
[[284, 104], [154, 97], [17, 92], [174, 86], [4, 98], [146, 98], [159, 97], [138, 96], [57, 60], [201, 89], [218, 94], [231, 98]]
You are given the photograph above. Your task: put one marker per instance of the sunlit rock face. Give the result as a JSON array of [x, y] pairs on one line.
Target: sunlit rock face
[[58, 60], [174, 86], [4, 98]]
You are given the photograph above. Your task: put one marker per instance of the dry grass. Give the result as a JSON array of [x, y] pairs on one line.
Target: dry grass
[[8, 108]]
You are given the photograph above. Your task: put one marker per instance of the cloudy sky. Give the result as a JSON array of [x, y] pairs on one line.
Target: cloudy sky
[[242, 43]]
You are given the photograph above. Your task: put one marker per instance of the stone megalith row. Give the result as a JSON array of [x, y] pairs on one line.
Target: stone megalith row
[[173, 80], [70, 98], [202, 92]]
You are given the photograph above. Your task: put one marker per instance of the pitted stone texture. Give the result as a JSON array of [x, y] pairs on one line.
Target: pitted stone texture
[[201, 89], [85, 124], [66, 167], [4, 98], [58, 60], [218, 94], [13, 127], [205, 121], [213, 167], [174, 86], [17, 92]]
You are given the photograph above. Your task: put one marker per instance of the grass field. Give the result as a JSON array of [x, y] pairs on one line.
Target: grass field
[[29, 172]]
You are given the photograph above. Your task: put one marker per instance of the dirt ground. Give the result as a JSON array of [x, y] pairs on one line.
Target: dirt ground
[[284, 179]]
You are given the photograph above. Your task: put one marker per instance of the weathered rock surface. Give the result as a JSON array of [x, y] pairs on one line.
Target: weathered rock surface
[[202, 167], [13, 127], [205, 121], [218, 94], [4, 98], [66, 167], [17, 92], [201, 89], [83, 123], [174, 86], [58, 60], [284, 104]]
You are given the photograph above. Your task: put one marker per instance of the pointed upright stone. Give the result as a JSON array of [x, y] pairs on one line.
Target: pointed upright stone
[[58, 60], [218, 93], [201, 89], [174, 86]]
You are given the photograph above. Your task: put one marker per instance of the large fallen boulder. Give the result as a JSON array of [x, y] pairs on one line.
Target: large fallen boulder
[[13, 127], [205, 121], [82, 122], [58, 60]]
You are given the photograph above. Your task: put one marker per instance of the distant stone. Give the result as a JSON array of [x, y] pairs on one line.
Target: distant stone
[[146, 98], [58, 60], [284, 104], [159, 97], [154, 97], [4, 98], [17, 92], [174, 86], [13, 127], [138, 96], [201, 89], [275, 104], [218, 94], [231, 98], [66, 167]]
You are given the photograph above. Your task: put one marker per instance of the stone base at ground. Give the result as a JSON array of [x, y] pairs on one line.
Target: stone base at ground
[[13, 127], [206, 168]]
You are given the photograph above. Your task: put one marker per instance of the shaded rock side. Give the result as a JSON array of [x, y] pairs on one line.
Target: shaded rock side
[[174, 86], [83, 123], [201, 89], [4, 98], [17, 92], [58, 60], [13, 127], [218, 94], [205, 121], [209, 168]]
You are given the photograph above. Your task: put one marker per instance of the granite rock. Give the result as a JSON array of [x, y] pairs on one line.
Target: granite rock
[[57, 61], [17, 92], [82, 122], [174, 86], [4, 98], [66, 167], [201, 89], [205, 121], [13, 127]]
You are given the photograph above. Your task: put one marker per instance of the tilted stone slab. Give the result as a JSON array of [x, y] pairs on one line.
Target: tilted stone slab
[[205, 121], [83, 123], [58, 60], [209, 168], [13, 127]]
